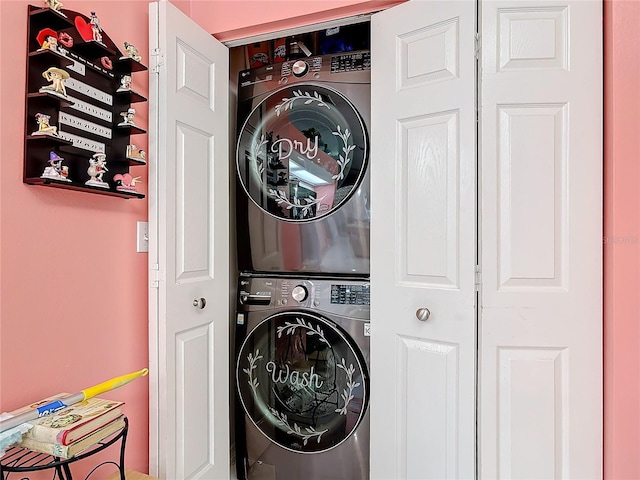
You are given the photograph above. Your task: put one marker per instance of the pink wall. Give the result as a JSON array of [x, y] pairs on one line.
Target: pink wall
[[74, 296], [622, 238], [73, 308]]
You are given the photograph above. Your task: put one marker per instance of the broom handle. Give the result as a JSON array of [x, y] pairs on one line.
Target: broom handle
[[70, 400]]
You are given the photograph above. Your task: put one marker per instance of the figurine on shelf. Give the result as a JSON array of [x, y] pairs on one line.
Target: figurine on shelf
[[56, 76], [125, 84], [131, 52], [47, 39], [106, 63], [43, 125], [97, 168], [126, 182], [65, 40], [55, 170], [133, 153], [128, 118], [96, 29], [54, 5]]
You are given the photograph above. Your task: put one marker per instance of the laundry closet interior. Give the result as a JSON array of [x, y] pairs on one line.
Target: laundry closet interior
[[302, 214], [397, 247]]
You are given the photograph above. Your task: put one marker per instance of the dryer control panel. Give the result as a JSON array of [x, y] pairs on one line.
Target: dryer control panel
[[346, 67]]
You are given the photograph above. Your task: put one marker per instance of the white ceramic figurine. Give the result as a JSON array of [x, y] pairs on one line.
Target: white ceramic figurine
[[54, 5], [55, 170], [127, 118], [56, 76], [134, 153], [96, 29], [126, 182], [97, 168], [43, 125], [125, 84], [131, 52]]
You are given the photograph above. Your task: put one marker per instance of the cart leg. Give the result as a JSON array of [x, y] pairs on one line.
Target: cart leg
[[122, 448]]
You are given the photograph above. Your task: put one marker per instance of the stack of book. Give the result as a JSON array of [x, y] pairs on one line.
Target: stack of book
[[73, 429]]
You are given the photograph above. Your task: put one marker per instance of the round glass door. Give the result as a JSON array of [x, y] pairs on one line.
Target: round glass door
[[302, 152], [302, 382]]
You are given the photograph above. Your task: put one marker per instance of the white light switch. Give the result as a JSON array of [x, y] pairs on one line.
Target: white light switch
[[142, 237]]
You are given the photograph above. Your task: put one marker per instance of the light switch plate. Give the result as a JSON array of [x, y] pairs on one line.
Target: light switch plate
[[142, 237]]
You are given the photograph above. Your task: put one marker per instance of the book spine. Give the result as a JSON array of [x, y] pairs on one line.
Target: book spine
[[50, 448]]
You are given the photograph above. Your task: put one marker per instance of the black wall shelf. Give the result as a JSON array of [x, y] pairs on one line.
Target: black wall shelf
[[86, 120]]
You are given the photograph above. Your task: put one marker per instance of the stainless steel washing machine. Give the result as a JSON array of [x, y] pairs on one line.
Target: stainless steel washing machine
[[302, 155], [302, 378]]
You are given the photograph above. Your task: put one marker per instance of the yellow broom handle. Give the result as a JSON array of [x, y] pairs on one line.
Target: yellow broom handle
[[70, 400], [113, 383]]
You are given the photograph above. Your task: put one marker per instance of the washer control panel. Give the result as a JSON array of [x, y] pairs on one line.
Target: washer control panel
[[350, 294], [348, 297]]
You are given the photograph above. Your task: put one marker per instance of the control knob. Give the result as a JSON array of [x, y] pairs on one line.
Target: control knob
[[299, 293], [299, 68]]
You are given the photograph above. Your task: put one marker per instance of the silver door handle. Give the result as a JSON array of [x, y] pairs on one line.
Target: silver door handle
[[423, 314], [199, 302]]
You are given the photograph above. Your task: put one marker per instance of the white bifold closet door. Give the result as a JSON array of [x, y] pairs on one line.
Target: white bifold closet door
[[540, 349], [486, 231], [188, 249], [423, 241], [519, 271]]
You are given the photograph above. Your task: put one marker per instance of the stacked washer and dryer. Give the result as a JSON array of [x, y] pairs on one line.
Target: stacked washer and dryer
[[302, 323]]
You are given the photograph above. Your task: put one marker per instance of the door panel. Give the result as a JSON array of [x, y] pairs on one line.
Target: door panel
[[189, 261], [541, 210], [427, 441], [423, 241], [429, 253], [532, 170]]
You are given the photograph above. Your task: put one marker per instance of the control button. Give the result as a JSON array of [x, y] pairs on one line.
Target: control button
[[283, 80], [283, 301], [299, 68], [316, 303], [299, 293], [316, 75]]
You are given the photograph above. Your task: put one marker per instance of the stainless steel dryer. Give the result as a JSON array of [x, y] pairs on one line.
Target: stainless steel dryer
[[302, 379], [302, 154]]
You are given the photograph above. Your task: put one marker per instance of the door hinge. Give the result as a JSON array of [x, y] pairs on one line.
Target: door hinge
[[478, 280], [154, 276], [157, 60], [478, 44]]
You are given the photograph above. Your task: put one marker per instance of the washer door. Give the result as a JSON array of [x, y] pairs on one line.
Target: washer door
[[302, 152], [302, 381]]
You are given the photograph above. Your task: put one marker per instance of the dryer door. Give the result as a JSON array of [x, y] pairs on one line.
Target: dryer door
[[302, 381], [302, 152]]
